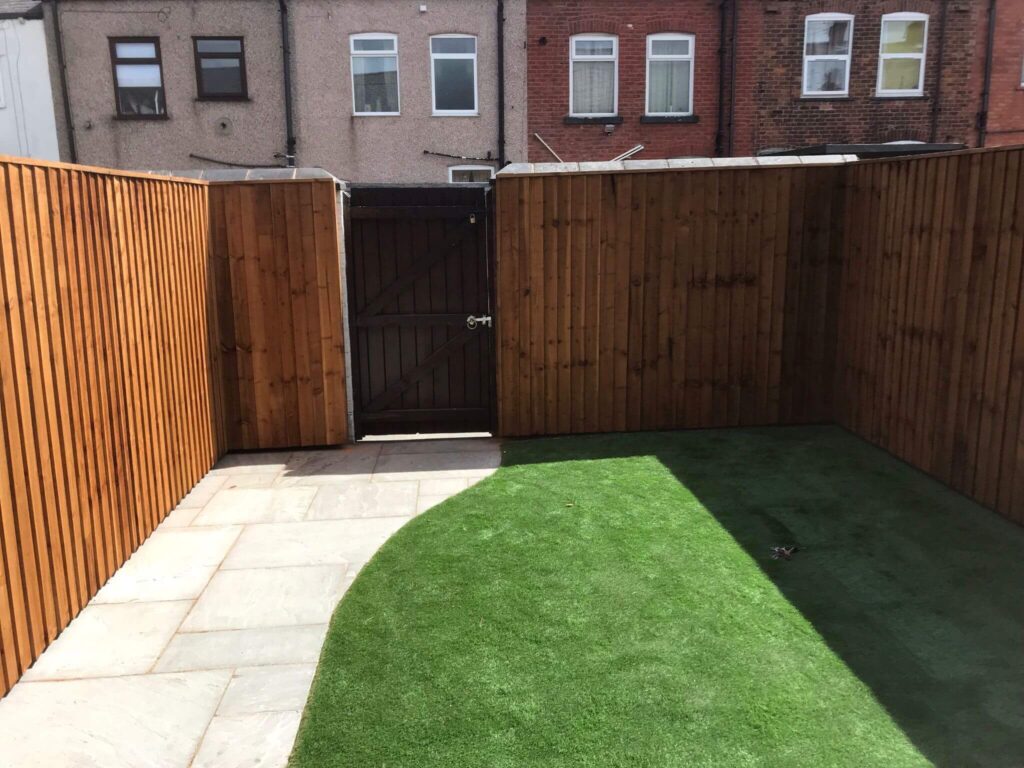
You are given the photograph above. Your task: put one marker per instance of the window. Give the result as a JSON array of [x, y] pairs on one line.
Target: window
[[593, 76], [470, 174], [220, 68], [902, 52], [828, 38], [138, 79], [670, 74], [374, 74], [453, 74]]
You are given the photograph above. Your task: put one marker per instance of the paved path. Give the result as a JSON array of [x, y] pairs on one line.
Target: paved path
[[200, 650]]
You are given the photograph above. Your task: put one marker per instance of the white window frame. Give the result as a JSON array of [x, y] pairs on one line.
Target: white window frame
[[923, 55], [476, 80], [847, 58], [615, 81], [651, 57], [353, 55], [453, 168]]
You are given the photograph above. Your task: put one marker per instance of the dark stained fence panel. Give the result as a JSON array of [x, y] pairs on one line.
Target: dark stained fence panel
[[418, 266]]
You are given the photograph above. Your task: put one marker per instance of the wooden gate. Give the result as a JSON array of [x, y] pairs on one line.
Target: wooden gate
[[419, 284]]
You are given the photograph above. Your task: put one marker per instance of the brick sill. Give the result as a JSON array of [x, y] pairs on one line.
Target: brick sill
[[658, 119], [610, 120]]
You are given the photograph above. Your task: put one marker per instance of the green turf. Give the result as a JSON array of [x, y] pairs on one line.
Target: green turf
[[610, 601]]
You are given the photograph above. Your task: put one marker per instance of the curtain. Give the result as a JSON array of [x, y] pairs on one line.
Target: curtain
[[669, 87], [593, 87]]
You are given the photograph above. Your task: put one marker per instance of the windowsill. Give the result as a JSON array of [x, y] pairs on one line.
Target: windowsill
[[609, 120], [142, 118], [812, 97], [656, 119], [900, 96], [220, 99], [455, 114], [376, 114]]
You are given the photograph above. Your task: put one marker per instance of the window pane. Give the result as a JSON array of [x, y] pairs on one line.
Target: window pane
[[470, 175], [670, 86], [138, 75], [593, 87], [594, 47], [219, 46], [826, 76], [903, 37], [901, 74], [223, 76], [140, 101], [670, 47], [453, 45], [373, 44], [135, 50], [375, 80], [453, 84], [828, 37]]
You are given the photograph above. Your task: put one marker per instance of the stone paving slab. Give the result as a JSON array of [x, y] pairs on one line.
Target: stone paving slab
[[201, 649]]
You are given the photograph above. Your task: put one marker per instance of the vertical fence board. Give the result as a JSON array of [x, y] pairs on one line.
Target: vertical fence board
[[276, 274]]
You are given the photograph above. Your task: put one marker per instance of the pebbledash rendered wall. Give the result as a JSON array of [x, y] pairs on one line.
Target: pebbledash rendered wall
[[250, 133]]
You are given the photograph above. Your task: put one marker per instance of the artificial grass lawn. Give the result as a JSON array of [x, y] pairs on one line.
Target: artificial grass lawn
[[610, 601]]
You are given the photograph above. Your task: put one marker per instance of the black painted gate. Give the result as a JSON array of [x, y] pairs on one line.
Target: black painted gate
[[420, 297]]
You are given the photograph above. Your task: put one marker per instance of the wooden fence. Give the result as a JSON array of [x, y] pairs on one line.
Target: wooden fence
[[276, 258], [931, 346], [106, 382], [667, 299], [148, 325]]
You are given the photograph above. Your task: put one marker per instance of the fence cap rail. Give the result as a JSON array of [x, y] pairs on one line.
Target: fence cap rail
[[686, 163], [34, 163]]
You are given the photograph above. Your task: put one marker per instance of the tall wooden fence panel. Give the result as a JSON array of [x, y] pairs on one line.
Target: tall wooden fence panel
[[276, 257], [108, 412], [667, 299], [931, 363]]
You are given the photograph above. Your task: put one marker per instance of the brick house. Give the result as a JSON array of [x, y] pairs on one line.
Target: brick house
[[1005, 123], [766, 75]]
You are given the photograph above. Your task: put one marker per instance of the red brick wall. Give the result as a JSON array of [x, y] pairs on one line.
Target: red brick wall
[[632, 21], [767, 107], [773, 113], [1006, 99]]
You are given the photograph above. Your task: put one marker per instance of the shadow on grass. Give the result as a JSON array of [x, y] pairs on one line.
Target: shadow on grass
[[917, 589]]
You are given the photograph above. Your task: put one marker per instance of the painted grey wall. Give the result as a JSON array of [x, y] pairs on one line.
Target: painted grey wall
[[27, 126], [371, 149]]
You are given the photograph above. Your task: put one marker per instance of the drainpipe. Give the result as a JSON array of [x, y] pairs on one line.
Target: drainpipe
[[62, 69], [289, 152], [989, 44], [937, 102], [501, 83], [719, 137], [939, 66], [732, 74]]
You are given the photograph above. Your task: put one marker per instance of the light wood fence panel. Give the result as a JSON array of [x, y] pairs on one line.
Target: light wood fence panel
[[931, 363], [667, 299], [276, 255], [108, 385]]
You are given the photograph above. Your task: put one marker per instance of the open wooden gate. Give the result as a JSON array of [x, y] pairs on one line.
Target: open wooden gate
[[419, 285]]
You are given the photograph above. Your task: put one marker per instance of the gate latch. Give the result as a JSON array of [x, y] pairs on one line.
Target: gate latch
[[473, 322]]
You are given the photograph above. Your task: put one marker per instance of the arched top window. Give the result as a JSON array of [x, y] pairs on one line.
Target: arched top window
[[375, 89], [453, 74], [593, 75], [828, 42], [670, 75], [902, 52]]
